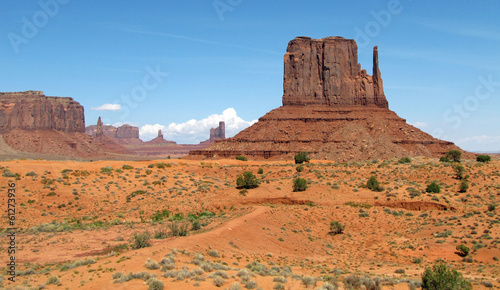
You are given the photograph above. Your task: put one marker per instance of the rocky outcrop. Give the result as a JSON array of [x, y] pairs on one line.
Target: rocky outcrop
[[127, 132], [32, 110], [331, 109], [219, 132], [159, 141], [326, 72]]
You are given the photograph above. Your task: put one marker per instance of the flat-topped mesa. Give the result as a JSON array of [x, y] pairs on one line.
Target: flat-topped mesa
[[326, 72], [32, 110], [127, 132]]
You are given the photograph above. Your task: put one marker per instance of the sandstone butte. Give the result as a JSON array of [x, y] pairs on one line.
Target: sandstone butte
[[332, 109], [31, 122]]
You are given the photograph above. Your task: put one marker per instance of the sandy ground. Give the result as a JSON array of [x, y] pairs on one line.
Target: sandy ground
[[69, 211]]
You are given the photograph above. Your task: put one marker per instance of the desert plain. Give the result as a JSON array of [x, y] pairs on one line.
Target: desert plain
[[124, 224]]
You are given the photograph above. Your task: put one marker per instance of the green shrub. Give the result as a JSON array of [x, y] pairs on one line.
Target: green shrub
[[301, 158], [374, 185], [433, 188], [405, 160], [127, 167], [54, 280], [107, 169], [241, 158], [444, 159], [247, 180], [454, 155], [299, 184], [463, 250], [336, 228], [464, 185], [141, 240], [459, 171], [442, 277], [299, 168], [483, 158], [260, 171]]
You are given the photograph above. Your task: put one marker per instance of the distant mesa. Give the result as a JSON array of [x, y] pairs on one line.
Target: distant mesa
[[32, 123], [32, 110], [332, 109]]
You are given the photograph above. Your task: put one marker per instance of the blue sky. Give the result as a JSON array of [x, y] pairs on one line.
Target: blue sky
[[183, 67]]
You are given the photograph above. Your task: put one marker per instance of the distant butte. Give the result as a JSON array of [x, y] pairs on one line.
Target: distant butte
[[332, 109]]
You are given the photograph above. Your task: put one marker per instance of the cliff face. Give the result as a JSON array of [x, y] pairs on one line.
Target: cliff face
[[32, 110], [326, 72]]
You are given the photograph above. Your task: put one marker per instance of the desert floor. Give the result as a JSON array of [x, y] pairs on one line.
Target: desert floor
[[77, 224]]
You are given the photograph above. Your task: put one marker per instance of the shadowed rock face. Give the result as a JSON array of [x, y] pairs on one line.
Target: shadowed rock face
[[32, 110], [326, 72]]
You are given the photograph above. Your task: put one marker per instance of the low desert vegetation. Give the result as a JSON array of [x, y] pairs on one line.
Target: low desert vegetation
[[454, 155], [442, 277], [373, 184], [299, 184], [433, 187], [336, 228], [247, 180], [241, 158], [483, 158], [302, 157]]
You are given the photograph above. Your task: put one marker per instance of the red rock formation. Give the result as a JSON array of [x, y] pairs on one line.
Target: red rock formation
[[326, 72], [127, 132], [32, 110], [219, 132], [331, 109]]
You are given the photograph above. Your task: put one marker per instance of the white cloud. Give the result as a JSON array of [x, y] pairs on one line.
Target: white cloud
[[481, 143], [194, 131], [419, 124], [108, 107]]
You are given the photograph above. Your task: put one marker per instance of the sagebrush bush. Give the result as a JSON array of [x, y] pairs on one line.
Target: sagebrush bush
[[433, 188], [299, 168], [464, 186], [248, 180], [151, 264], [53, 280], [442, 277], [336, 228], [463, 250], [241, 158], [459, 171], [405, 160], [127, 167], [483, 158], [260, 171], [155, 284], [299, 184], [301, 158], [141, 240], [374, 185]]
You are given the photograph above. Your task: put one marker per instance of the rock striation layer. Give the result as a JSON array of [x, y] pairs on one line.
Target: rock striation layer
[[326, 72], [32, 110], [332, 109]]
